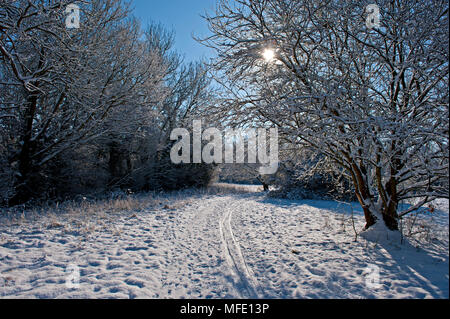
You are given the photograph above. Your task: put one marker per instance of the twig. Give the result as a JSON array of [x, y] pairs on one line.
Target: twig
[[353, 224]]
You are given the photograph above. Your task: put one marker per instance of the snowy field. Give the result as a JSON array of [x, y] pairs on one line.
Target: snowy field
[[230, 242]]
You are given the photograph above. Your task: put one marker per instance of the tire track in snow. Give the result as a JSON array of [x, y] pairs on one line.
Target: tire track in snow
[[234, 256]]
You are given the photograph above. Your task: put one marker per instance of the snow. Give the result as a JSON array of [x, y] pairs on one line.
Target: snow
[[218, 244]]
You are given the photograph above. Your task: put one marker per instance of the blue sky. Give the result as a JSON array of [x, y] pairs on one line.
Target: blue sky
[[183, 16]]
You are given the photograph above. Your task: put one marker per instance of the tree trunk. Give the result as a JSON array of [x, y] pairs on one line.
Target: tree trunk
[[368, 215], [389, 212], [390, 217], [114, 163], [362, 193], [23, 189], [265, 185]]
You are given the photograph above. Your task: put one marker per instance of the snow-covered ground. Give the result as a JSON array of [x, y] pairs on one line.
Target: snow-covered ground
[[221, 244]]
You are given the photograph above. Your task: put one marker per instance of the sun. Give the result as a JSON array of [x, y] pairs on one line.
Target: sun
[[269, 55]]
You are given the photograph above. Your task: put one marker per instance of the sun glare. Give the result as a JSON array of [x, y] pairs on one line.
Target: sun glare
[[269, 55]]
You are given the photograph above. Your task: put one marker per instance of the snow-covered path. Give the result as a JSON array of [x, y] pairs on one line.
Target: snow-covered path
[[243, 275], [214, 246]]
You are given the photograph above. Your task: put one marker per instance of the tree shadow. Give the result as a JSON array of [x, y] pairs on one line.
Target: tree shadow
[[406, 269], [330, 205], [425, 268]]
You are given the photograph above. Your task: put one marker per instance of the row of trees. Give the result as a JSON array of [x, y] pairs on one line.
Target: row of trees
[[371, 99], [91, 108]]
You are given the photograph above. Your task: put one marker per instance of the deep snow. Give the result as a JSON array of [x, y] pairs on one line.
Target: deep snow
[[225, 245]]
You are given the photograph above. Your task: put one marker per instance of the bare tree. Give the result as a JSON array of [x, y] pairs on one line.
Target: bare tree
[[68, 83], [372, 98], [139, 157]]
